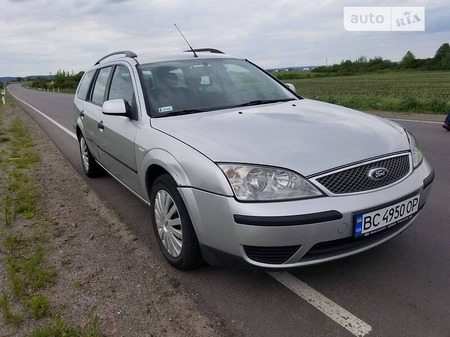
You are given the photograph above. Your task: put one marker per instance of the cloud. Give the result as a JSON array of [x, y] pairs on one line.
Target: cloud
[[40, 36]]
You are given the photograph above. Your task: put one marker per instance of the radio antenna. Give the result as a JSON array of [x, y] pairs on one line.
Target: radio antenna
[[192, 49]]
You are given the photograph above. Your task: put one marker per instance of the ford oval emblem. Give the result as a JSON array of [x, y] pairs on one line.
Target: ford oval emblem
[[378, 173]]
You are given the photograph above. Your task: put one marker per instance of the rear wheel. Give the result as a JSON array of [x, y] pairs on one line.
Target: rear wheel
[[172, 225], [90, 166]]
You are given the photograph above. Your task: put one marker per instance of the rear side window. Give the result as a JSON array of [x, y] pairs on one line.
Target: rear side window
[[98, 94], [83, 89]]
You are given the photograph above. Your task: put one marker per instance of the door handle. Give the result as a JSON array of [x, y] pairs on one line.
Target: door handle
[[82, 113], [101, 126]]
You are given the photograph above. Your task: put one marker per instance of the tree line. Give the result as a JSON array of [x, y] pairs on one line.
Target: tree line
[[440, 61], [63, 80]]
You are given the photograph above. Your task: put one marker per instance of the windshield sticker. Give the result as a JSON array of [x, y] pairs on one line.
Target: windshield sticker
[[165, 109], [205, 80]]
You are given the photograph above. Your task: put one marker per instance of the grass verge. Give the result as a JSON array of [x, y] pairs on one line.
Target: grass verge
[[397, 91], [26, 275]]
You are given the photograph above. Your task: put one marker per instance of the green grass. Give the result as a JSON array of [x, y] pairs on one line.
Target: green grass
[[12, 242], [18, 157], [39, 305], [24, 244], [8, 315], [27, 271], [60, 327], [403, 91]]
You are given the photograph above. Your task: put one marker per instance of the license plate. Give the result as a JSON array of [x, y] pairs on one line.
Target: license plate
[[372, 222]]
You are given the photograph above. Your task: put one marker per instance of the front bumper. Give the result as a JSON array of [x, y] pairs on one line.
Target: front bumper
[[290, 234]]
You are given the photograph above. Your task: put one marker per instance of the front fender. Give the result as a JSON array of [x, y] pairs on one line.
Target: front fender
[[166, 161], [188, 167]]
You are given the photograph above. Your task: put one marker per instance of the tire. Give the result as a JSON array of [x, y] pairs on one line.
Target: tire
[[172, 225], [90, 167]]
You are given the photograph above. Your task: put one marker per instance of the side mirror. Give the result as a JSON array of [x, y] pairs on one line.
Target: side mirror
[[116, 107], [290, 86]]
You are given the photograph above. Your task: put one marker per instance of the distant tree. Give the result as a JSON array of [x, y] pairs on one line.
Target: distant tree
[[361, 59], [442, 52], [78, 76], [346, 67], [378, 63], [441, 60], [444, 64], [408, 61], [376, 60], [67, 80], [40, 83]]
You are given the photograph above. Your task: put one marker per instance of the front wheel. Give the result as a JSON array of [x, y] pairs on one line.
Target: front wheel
[[172, 225]]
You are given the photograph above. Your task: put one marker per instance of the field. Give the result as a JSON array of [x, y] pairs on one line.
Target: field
[[407, 91]]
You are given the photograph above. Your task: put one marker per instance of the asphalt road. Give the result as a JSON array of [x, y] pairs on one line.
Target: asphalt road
[[401, 288]]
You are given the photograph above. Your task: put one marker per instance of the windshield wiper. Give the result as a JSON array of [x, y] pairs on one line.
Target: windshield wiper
[[264, 101], [190, 111], [182, 112]]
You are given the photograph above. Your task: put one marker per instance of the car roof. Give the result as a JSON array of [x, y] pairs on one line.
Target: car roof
[[148, 58], [204, 53]]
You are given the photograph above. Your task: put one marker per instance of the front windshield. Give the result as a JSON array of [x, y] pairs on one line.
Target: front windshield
[[197, 85]]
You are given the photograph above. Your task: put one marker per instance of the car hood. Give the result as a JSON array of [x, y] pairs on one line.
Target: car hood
[[305, 136]]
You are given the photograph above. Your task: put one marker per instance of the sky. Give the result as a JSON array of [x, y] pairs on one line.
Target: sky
[[39, 37]]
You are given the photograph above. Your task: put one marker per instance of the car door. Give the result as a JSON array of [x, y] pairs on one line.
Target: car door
[[85, 111], [117, 133], [91, 112]]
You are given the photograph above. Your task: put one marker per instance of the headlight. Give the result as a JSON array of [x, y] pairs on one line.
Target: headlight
[[417, 155], [262, 183]]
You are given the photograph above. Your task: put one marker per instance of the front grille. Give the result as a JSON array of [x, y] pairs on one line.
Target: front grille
[[356, 179], [270, 255]]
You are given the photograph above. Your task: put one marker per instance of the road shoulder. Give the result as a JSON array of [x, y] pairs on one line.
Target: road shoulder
[[102, 268]]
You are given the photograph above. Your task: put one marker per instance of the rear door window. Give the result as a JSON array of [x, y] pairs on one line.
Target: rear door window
[[121, 85]]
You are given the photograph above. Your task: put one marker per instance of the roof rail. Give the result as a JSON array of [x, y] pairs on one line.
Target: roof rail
[[127, 53], [211, 50]]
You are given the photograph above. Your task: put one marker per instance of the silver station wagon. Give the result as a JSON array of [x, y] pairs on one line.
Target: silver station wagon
[[238, 169]]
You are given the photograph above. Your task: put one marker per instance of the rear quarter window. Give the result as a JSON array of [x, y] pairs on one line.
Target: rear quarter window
[[99, 91], [83, 88]]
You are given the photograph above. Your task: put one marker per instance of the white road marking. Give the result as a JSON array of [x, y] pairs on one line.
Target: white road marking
[[338, 314], [70, 133], [415, 120]]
